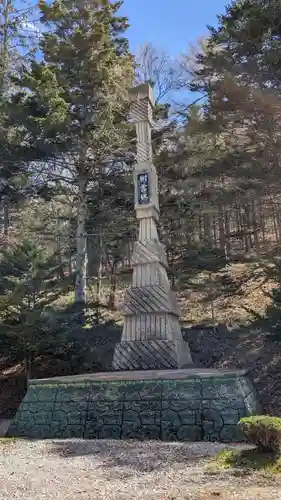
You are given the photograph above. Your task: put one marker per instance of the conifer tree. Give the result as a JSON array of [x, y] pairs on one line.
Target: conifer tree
[[17, 42], [76, 102]]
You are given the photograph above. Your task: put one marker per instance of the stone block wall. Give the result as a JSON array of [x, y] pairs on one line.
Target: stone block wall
[[194, 408]]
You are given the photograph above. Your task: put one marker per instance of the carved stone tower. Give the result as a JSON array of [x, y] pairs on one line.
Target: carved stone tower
[[151, 337]]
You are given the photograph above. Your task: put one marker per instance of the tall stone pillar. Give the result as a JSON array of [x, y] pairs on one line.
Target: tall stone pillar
[[151, 337]]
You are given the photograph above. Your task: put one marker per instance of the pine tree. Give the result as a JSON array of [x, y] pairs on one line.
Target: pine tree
[[29, 285], [77, 100], [16, 45]]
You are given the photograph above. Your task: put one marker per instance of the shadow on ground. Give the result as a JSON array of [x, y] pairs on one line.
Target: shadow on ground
[[137, 456]]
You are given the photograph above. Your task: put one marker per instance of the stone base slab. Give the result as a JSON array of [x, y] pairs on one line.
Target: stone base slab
[[171, 405]]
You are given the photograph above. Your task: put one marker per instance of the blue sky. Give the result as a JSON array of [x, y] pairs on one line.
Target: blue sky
[[170, 24]]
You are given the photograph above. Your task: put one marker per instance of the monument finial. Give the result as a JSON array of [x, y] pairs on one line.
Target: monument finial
[[143, 103]]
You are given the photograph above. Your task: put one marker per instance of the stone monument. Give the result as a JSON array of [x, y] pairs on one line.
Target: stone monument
[[149, 394], [151, 337]]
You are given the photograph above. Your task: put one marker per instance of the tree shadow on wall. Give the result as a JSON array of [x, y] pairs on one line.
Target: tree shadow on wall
[[244, 347]]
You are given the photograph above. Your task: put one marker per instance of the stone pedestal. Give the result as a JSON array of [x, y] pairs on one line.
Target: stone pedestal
[[171, 405], [151, 337]]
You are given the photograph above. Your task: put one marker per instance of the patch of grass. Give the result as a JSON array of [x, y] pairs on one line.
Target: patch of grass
[[250, 460], [7, 440]]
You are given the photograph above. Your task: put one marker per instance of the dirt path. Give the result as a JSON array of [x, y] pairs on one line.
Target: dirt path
[[118, 470]]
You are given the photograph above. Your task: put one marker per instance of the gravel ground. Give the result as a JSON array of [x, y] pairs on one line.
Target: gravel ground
[[120, 470]]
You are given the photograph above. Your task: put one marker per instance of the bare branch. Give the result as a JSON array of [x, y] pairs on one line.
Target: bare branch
[[157, 67]]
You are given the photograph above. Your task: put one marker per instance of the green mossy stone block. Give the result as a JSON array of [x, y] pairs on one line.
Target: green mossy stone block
[[40, 393], [142, 405], [143, 433], [189, 433], [104, 407], [24, 412], [230, 417], [182, 405], [109, 432], [219, 388], [170, 418], [21, 429], [71, 418], [92, 429], [193, 404], [149, 432], [243, 412], [212, 437], [40, 432], [231, 434], [143, 390], [184, 390], [107, 413], [107, 391], [169, 432], [112, 418], [150, 417], [188, 417], [211, 420], [35, 414], [71, 394], [143, 412], [67, 432], [129, 428], [72, 406], [131, 416], [234, 403]]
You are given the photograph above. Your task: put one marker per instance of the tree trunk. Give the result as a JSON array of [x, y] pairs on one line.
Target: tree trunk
[[7, 6], [224, 223], [113, 283], [238, 218], [274, 223], [60, 271], [248, 227], [226, 232], [261, 217], [6, 218], [214, 221], [245, 229], [206, 216], [81, 246], [171, 265], [99, 270], [207, 223], [6, 10], [69, 250], [278, 221], [200, 228], [255, 227], [221, 230]]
